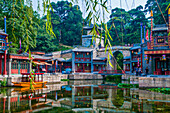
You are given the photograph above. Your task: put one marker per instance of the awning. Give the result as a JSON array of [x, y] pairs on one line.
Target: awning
[[48, 64], [41, 63]]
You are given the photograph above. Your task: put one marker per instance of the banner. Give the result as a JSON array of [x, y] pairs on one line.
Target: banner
[[147, 37]]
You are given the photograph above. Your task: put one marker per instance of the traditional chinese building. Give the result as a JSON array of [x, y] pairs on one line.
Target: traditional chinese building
[[84, 58], [3, 52], [157, 53]]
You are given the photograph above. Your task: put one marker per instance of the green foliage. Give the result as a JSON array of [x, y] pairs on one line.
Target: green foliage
[[3, 91], [124, 25], [44, 41], [119, 58], [4, 82], [64, 79], [22, 23], [161, 90], [67, 22], [115, 78], [152, 5], [123, 85]]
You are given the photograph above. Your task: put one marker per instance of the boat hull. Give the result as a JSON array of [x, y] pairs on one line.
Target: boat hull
[[27, 84]]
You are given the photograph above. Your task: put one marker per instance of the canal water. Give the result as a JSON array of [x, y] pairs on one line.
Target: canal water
[[88, 96]]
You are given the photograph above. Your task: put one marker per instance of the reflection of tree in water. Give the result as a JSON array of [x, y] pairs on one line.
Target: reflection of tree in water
[[117, 98]]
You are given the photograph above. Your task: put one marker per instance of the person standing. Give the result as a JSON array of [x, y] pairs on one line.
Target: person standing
[[140, 71], [137, 71], [147, 70]]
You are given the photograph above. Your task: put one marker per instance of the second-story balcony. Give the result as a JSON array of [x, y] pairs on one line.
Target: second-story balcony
[[83, 59], [136, 57]]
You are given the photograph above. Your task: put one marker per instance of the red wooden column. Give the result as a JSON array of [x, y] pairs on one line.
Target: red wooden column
[[4, 105], [83, 67], [46, 68], [55, 67], [5, 62]]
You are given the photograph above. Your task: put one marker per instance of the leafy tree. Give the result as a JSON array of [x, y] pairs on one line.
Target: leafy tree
[[152, 5], [44, 41], [67, 22], [22, 23], [126, 25]]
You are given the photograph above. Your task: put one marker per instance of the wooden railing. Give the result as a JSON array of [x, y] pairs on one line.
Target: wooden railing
[[36, 76], [83, 59]]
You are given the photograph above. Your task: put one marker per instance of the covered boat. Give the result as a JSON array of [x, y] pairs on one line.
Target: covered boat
[[37, 80]]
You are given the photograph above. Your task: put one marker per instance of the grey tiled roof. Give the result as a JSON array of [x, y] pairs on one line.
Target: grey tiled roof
[[99, 58], [2, 32], [82, 49], [40, 57]]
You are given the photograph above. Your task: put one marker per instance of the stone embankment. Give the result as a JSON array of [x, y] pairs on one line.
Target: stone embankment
[[148, 82], [154, 82], [82, 76]]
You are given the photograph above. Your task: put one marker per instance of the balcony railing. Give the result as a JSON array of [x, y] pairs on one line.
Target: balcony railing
[[136, 58], [83, 59]]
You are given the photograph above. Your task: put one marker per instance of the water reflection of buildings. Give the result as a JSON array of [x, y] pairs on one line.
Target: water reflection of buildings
[[103, 98], [25, 102], [109, 98], [17, 99], [97, 98]]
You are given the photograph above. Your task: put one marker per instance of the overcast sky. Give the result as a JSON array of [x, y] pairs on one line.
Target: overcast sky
[[113, 3]]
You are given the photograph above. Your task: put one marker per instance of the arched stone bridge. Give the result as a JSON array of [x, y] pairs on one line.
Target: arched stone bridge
[[122, 49]]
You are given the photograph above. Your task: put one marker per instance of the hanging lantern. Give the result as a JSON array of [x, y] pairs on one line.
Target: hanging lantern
[[77, 53], [138, 62], [97, 65], [163, 57], [146, 57], [87, 64], [132, 51], [78, 65], [87, 53], [133, 64]]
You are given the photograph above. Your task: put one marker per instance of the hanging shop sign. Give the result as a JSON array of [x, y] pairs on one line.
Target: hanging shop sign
[[160, 40]]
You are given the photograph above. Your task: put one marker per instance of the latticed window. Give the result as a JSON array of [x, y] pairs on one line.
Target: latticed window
[[14, 65], [24, 65]]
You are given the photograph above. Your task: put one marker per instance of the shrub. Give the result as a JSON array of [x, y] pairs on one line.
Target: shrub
[[64, 79], [115, 78], [3, 83], [123, 85]]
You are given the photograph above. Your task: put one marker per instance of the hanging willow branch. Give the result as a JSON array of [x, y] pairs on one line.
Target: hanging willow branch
[[96, 10]]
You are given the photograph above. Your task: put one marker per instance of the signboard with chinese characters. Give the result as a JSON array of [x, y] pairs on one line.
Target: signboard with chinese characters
[[160, 40]]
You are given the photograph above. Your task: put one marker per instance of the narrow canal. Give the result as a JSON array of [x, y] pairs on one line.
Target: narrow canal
[[88, 96]]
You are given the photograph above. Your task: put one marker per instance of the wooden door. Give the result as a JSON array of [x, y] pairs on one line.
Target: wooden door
[[158, 66]]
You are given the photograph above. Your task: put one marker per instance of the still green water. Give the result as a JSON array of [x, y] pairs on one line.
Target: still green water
[[88, 96]]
